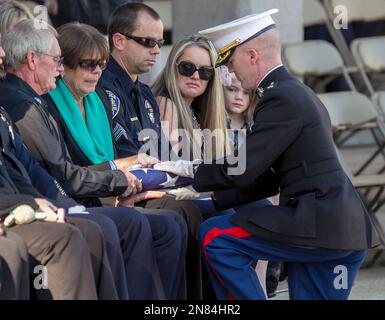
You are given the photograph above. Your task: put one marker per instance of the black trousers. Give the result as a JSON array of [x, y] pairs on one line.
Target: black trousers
[[112, 244], [193, 217], [146, 250], [94, 237], [14, 272]]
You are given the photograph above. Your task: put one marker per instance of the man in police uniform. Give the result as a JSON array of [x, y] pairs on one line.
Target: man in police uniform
[[135, 34], [320, 227]]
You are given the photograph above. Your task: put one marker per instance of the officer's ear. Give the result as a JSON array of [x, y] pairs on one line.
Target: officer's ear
[[118, 40], [31, 59], [253, 55]]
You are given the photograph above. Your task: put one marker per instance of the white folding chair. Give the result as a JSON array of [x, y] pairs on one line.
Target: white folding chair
[[317, 58], [352, 112], [357, 10], [370, 56], [313, 13]]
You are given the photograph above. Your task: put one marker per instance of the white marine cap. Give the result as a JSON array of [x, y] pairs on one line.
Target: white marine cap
[[227, 36]]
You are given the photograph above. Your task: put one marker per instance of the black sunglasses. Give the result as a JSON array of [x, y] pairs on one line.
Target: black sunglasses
[[146, 42], [187, 68], [91, 65]]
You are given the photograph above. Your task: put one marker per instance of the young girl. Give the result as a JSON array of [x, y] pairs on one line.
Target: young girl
[[239, 104]]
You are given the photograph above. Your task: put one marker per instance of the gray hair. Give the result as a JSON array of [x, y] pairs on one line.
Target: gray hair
[[26, 36]]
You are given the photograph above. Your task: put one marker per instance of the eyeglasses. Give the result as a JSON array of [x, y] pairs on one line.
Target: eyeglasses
[[145, 42], [57, 59], [91, 65], [187, 68]]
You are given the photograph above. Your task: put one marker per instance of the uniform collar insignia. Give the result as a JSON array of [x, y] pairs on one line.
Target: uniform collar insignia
[[38, 100], [261, 91]]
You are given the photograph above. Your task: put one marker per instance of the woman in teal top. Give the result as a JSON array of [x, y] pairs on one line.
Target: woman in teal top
[[83, 115]]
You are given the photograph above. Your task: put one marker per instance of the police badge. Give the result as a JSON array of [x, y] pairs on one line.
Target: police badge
[[150, 111]]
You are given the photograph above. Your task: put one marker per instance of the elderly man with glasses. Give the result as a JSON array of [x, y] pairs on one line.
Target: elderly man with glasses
[[146, 248]]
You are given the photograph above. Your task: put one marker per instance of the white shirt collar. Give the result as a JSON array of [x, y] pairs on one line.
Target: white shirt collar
[[264, 77]]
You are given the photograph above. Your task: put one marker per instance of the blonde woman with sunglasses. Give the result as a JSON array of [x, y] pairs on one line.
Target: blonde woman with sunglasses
[[190, 97]]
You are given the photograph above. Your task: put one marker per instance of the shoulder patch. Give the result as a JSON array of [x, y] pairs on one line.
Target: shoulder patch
[[115, 103]]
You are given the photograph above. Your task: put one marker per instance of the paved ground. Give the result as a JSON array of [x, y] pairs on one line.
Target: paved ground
[[369, 285]]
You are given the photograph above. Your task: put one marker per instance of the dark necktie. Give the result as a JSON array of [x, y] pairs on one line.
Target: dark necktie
[[139, 106]]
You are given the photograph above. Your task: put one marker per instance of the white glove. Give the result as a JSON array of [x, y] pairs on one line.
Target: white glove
[[186, 193], [181, 168], [78, 210]]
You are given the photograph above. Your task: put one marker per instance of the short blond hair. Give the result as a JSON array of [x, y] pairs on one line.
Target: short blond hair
[[12, 12]]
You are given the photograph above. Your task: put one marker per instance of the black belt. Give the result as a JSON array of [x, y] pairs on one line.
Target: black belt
[[308, 170]]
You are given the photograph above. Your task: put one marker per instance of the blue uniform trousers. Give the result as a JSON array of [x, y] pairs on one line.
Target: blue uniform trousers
[[146, 250], [206, 206], [230, 253]]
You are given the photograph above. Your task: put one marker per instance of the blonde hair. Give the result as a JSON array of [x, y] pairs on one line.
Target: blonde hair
[[210, 104], [10, 13], [249, 112]]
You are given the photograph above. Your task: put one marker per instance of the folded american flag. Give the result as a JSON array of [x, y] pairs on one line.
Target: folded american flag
[[153, 179]]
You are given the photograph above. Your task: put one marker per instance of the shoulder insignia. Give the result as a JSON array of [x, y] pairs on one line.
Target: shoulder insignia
[[119, 131], [115, 103]]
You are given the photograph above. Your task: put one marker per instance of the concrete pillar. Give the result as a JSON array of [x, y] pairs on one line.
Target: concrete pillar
[[192, 16]]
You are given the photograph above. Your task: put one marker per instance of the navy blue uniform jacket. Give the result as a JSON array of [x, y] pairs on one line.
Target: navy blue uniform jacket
[[290, 150], [126, 121]]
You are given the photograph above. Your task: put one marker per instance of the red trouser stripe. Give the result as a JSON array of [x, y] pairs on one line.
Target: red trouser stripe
[[236, 232]]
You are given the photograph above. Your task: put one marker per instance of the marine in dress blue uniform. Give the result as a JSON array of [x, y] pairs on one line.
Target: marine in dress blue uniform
[[320, 227]]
